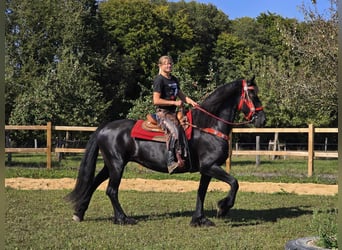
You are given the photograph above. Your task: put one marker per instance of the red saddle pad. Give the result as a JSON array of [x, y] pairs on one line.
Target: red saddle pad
[[139, 132]]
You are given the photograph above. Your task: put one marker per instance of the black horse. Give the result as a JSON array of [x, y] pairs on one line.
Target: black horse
[[212, 122]]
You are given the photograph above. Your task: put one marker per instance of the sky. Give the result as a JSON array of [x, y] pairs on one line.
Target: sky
[[253, 8]]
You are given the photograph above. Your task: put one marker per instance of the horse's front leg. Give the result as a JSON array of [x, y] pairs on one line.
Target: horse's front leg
[[224, 205], [198, 218]]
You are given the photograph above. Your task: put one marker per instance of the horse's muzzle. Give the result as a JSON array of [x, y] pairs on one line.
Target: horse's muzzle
[[259, 119]]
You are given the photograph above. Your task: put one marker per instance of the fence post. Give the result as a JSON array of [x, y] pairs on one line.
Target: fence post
[[230, 152], [8, 145], [311, 151], [48, 145], [275, 144], [257, 147]]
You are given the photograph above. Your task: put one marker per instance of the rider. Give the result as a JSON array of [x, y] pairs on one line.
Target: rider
[[166, 89]]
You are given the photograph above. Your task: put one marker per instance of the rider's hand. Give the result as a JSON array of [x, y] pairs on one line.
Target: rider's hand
[[193, 103], [178, 103]]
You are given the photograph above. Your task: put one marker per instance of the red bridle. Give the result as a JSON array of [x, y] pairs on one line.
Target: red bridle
[[245, 99]]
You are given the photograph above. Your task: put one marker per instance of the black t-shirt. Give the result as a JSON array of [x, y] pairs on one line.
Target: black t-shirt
[[168, 89]]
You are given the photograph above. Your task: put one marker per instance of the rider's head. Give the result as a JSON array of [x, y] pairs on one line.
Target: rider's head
[[165, 64]]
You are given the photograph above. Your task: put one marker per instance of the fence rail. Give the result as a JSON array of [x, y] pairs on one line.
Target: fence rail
[[310, 153]]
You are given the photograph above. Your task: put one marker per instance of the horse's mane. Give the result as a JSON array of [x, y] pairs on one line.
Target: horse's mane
[[222, 95]]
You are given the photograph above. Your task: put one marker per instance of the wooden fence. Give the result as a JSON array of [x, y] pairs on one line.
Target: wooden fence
[[310, 153], [48, 128]]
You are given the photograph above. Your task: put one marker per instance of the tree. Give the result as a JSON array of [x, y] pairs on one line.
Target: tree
[[134, 27], [48, 61], [143, 31], [295, 64], [262, 34], [206, 23], [229, 57], [312, 89]]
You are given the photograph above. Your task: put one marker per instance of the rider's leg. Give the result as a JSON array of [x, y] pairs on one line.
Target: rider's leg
[[171, 163], [168, 121]]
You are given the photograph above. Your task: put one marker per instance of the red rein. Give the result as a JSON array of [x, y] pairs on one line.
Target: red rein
[[245, 99]]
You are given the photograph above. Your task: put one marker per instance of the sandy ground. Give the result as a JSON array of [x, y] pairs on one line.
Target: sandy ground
[[171, 185]]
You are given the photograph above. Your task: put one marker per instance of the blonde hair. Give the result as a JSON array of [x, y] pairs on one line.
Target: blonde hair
[[162, 59]]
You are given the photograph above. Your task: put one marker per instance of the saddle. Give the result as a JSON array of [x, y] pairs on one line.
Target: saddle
[[148, 129], [151, 123]]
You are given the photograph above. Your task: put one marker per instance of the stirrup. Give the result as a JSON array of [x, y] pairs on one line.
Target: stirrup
[[172, 167]]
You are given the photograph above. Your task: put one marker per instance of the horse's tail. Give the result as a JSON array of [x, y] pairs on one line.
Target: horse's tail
[[86, 172]]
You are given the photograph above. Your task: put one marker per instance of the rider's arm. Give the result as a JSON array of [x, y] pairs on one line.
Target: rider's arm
[[158, 101], [186, 99]]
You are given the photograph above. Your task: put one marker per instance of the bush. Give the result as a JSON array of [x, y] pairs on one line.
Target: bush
[[325, 224]]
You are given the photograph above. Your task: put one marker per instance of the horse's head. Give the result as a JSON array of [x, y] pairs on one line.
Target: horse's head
[[250, 104]]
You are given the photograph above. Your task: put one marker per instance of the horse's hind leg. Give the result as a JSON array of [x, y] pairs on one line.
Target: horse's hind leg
[[81, 208], [112, 191], [119, 215]]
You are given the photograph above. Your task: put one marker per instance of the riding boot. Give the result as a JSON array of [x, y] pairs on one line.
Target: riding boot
[[180, 160], [171, 164]]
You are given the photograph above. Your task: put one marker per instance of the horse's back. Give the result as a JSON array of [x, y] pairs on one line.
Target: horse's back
[[115, 132], [120, 124]]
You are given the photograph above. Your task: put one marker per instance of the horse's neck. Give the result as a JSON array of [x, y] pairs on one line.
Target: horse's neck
[[222, 104], [228, 115]]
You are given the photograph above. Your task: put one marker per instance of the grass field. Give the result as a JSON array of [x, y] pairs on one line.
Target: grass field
[[243, 168], [42, 220]]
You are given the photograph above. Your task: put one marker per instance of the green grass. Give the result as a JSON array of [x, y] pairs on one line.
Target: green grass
[[42, 220], [243, 168], [285, 170], [324, 222]]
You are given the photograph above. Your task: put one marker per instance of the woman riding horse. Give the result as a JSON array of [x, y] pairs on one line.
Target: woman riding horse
[[211, 124], [165, 92]]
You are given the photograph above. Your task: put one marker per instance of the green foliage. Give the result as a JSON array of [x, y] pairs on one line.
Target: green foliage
[[313, 86], [89, 61], [295, 66], [48, 62], [325, 224], [142, 105], [230, 55], [66, 96], [135, 29]]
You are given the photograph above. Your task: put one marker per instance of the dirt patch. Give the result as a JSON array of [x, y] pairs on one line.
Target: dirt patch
[[171, 185]]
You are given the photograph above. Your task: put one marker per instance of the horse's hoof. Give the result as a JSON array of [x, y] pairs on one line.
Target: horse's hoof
[[202, 222], [125, 221], [222, 208], [131, 221], [222, 212], [76, 218]]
